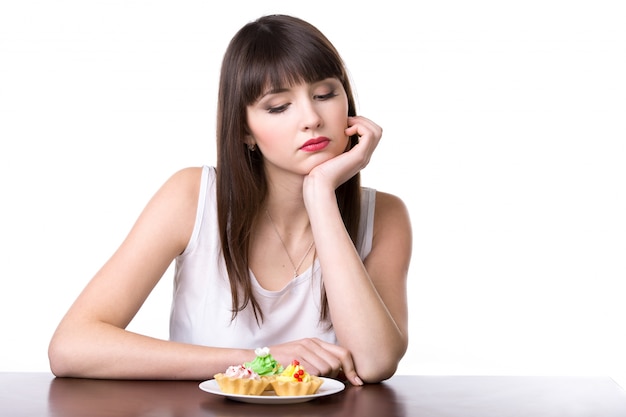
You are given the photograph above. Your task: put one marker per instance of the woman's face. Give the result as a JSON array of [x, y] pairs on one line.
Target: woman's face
[[297, 128]]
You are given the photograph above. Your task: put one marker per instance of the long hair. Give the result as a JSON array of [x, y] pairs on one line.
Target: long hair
[[273, 51]]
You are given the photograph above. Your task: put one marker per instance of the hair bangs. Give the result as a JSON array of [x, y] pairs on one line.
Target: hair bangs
[[281, 62]]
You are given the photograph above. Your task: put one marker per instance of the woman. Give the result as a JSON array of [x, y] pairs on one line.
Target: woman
[[277, 246]]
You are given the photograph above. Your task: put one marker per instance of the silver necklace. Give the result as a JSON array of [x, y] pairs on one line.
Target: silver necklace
[[295, 268]]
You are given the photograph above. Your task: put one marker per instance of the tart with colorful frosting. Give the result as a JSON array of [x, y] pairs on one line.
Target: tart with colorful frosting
[[265, 365], [295, 381], [241, 380]]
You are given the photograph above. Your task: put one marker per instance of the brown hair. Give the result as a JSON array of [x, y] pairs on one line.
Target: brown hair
[[272, 51]]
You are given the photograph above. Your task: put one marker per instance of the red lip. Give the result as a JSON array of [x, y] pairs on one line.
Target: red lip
[[315, 144]]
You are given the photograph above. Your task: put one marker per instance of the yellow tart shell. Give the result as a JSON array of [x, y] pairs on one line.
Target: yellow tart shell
[[241, 386], [295, 388]]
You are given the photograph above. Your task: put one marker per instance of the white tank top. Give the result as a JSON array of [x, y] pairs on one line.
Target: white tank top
[[201, 305]]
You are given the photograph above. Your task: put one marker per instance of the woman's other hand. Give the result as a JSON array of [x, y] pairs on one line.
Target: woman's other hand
[[318, 358], [338, 170]]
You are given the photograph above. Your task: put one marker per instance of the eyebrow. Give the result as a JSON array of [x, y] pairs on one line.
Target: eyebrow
[[273, 91]]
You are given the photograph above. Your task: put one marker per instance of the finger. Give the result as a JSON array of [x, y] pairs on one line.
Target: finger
[[365, 129], [352, 376], [314, 356], [347, 365]]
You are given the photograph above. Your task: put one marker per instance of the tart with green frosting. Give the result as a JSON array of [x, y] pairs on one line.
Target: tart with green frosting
[[265, 365]]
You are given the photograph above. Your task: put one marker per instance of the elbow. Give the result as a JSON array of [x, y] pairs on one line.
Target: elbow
[[377, 375], [381, 370], [58, 365], [385, 365], [59, 358]]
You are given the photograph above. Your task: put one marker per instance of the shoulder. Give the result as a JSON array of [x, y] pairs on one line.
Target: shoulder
[[186, 177], [391, 217], [176, 201], [390, 205], [392, 240], [165, 225], [183, 185]]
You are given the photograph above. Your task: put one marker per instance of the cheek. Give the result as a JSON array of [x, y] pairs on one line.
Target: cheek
[[337, 114], [342, 114], [340, 121], [258, 128], [268, 135]]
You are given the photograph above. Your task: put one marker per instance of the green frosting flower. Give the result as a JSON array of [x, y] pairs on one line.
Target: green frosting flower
[[264, 364]]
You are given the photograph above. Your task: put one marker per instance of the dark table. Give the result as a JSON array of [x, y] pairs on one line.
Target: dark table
[[41, 395]]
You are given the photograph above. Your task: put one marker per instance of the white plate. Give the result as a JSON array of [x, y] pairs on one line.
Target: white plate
[[330, 386]]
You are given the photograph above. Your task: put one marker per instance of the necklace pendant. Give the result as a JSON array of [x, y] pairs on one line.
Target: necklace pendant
[[295, 268]]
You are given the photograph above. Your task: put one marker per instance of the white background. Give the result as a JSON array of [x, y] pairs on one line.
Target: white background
[[504, 132]]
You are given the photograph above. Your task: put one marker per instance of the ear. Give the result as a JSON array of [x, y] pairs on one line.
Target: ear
[[250, 143], [249, 140]]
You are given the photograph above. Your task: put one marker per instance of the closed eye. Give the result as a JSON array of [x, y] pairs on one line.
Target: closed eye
[[325, 96], [278, 109]]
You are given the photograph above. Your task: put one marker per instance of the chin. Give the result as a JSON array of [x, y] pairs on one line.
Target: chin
[[320, 158]]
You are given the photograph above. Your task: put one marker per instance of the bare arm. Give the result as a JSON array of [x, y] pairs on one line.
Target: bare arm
[[367, 300], [91, 340]]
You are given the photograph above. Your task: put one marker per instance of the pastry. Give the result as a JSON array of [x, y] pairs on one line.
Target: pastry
[[295, 381], [265, 365], [240, 379]]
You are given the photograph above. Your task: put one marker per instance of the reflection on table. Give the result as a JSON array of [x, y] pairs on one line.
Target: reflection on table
[[41, 395], [79, 397]]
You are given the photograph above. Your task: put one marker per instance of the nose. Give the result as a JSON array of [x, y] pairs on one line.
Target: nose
[[311, 118]]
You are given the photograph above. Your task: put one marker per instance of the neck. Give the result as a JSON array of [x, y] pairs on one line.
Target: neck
[[287, 247], [285, 206], [283, 185], [290, 220]]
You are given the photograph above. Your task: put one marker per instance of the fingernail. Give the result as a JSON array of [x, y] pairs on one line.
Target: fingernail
[[358, 380]]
